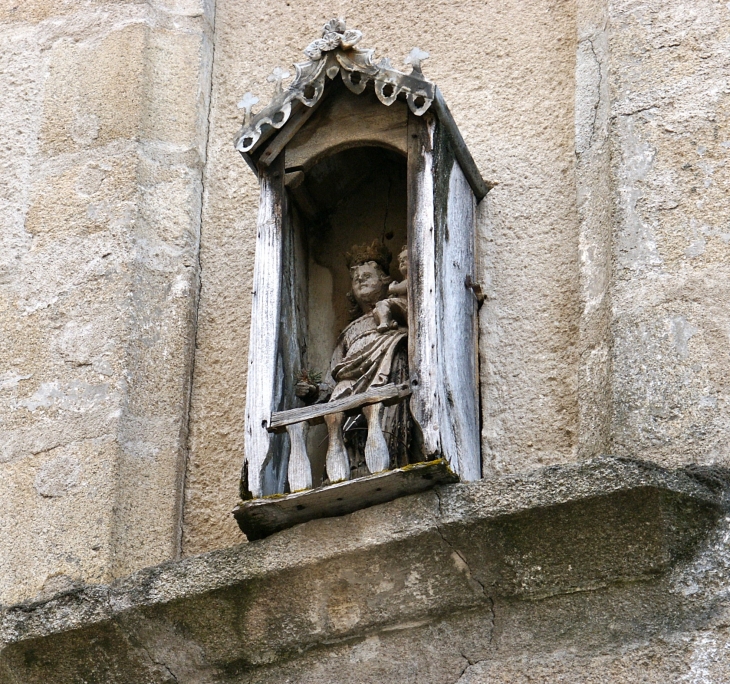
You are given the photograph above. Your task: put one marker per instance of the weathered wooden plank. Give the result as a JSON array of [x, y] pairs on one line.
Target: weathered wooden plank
[[264, 335], [461, 151], [294, 182], [267, 134], [291, 342], [385, 394], [262, 517], [459, 331], [377, 456], [422, 302], [443, 163], [297, 119], [337, 462]]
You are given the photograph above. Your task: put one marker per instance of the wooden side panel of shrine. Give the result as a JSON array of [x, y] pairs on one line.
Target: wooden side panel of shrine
[[443, 328]]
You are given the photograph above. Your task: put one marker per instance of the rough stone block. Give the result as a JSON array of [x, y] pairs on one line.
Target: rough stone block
[[94, 91], [173, 110], [83, 198], [62, 537], [392, 571], [33, 11], [669, 114]]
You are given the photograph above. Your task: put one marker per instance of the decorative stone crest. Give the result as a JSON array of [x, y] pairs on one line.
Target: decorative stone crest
[[334, 53]]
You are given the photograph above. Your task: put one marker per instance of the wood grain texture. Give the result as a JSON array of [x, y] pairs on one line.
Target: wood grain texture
[[298, 192], [298, 118], [458, 360], [261, 517], [385, 394], [422, 304], [377, 457], [263, 347], [291, 341], [337, 462]]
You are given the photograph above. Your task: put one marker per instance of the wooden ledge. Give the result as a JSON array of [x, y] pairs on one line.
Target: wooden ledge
[[387, 395], [259, 518]]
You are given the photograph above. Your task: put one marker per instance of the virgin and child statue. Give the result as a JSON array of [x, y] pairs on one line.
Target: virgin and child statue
[[372, 351]]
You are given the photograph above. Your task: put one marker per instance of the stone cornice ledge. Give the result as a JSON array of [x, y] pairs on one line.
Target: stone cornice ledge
[[557, 530]]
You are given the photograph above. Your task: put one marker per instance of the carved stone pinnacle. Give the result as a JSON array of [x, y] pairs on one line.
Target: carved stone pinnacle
[[277, 76], [246, 103], [415, 57], [335, 52]]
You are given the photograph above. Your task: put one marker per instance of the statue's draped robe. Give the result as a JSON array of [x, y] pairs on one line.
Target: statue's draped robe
[[365, 358]]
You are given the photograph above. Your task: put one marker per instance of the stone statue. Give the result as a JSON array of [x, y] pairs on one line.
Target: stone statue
[[391, 312], [370, 352]]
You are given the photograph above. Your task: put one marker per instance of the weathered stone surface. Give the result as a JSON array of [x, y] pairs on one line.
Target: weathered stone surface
[[259, 518], [594, 200], [682, 658], [669, 91], [93, 94], [521, 136], [32, 11], [604, 258], [456, 564], [98, 270]]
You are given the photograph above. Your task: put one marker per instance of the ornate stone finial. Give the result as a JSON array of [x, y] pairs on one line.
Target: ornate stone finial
[[336, 25], [277, 76], [247, 102], [334, 35], [415, 57]]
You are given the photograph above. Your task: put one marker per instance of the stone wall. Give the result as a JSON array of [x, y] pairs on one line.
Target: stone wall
[[586, 572], [127, 255], [104, 132], [670, 109], [520, 128]]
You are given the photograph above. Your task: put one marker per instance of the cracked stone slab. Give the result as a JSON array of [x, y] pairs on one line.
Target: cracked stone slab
[[411, 561]]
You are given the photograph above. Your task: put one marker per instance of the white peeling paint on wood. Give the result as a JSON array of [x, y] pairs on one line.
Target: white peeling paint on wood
[[337, 461], [300, 470], [459, 344], [422, 305], [377, 457], [262, 358]]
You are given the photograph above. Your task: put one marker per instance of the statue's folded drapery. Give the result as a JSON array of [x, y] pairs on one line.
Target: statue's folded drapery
[[366, 358]]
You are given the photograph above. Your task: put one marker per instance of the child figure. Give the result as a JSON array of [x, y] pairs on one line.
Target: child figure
[[392, 312]]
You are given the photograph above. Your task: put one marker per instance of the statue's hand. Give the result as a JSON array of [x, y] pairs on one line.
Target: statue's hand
[[323, 392], [398, 289], [306, 390]]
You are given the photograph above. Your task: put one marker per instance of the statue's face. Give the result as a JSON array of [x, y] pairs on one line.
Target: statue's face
[[403, 262], [369, 283]]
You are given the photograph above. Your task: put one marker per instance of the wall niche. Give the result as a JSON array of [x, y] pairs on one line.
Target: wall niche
[[363, 377]]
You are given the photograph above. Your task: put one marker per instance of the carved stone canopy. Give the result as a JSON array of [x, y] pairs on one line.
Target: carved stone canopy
[[337, 52]]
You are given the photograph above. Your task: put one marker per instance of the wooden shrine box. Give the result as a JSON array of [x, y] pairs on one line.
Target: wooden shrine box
[[351, 152]]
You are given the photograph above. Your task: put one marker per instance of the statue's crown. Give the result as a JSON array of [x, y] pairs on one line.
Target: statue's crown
[[377, 252]]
